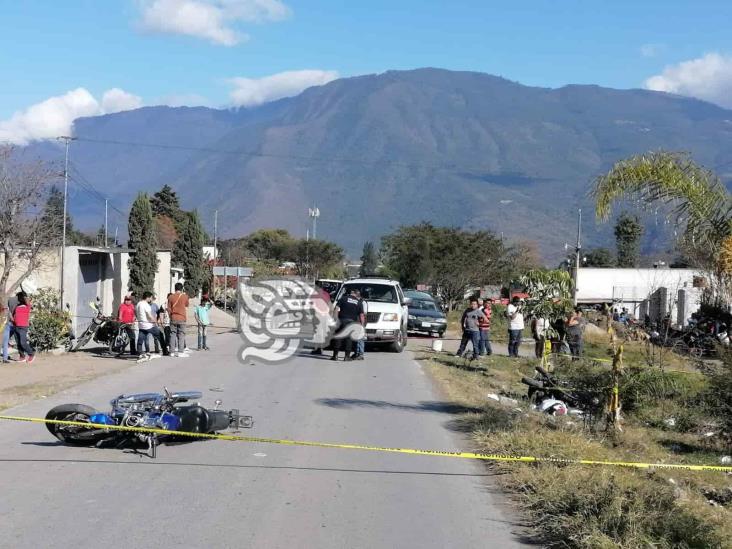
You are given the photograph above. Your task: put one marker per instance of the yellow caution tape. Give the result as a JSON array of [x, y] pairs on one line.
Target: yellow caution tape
[[412, 451]]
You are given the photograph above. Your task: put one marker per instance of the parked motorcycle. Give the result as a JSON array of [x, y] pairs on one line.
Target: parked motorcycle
[[105, 330], [149, 410]]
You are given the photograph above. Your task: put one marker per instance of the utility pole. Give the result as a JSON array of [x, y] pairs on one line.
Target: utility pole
[[67, 139], [577, 254], [106, 242], [215, 250], [216, 235]]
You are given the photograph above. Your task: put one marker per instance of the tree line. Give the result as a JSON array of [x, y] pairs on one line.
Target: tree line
[[267, 249]]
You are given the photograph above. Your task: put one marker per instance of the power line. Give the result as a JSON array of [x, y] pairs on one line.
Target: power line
[[79, 178], [94, 195], [274, 155]]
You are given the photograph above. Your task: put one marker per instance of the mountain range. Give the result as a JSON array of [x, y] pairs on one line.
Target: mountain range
[[375, 152]]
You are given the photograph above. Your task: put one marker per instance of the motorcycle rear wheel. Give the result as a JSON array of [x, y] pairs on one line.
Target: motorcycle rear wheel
[[73, 434], [119, 343]]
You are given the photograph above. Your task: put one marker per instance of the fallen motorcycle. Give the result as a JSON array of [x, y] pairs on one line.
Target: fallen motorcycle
[[556, 398], [146, 410], [105, 330]]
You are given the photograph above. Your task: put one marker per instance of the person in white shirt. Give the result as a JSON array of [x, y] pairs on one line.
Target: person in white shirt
[[539, 327], [515, 326], [148, 326]]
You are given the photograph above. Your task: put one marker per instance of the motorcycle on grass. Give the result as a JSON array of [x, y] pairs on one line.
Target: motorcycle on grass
[[165, 410], [105, 330]]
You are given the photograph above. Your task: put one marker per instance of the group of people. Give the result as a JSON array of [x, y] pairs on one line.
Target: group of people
[[476, 326], [17, 321], [166, 323]]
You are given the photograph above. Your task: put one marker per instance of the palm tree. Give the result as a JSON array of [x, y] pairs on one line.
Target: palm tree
[[695, 196]]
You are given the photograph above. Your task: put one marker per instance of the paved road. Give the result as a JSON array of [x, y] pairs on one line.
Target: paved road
[[224, 494]]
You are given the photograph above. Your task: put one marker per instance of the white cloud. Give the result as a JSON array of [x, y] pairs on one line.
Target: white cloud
[[708, 77], [211, 20], [116, 100], [249, 92], [183, 100], [651, 50], [55, 116]]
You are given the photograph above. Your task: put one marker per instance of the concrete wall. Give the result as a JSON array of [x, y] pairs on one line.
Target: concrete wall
[[163, 276], [47, 274]]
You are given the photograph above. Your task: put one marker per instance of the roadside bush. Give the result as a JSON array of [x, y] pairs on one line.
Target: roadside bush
[[47, 328], [640, 386], [719, 394], [46, 299], [48, 325]]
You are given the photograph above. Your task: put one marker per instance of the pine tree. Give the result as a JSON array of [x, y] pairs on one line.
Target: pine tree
[[143, 263], [53, 214], [369, 260], [165, 203], [188, 253], [628, 232]]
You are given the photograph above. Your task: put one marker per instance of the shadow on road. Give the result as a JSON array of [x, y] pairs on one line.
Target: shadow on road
[[452, 408]]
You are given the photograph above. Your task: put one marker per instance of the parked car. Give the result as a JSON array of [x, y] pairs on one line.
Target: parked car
[[386, 319], [425, 314]]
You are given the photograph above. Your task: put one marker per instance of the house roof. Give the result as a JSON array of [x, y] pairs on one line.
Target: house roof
[[111, 250]]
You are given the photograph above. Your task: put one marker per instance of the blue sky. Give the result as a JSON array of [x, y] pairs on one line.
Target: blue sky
[[188, 51]]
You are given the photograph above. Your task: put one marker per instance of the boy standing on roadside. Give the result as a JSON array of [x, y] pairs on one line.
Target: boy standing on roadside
[[202, 320]]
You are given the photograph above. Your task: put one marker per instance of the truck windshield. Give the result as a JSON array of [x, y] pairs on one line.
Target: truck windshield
[[381, 293]]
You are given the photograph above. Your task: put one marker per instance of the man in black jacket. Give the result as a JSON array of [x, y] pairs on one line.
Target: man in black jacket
[[349, 310]]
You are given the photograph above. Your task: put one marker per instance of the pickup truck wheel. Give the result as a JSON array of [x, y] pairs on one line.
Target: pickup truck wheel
[[400, 343]]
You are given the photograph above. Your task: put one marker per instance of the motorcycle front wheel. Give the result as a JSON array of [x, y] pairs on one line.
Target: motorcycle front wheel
[[84, 338], [73, 434]]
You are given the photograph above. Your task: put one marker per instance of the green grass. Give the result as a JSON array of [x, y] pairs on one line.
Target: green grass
[[582, 506]]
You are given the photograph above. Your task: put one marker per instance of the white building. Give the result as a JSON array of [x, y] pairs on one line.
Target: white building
[[653, 292]]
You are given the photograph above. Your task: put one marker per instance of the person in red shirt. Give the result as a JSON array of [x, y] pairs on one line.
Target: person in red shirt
[[484, 324], [21, 321], [126, 315]]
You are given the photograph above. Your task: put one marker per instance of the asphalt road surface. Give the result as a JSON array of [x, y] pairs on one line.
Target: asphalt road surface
[[234, 494]]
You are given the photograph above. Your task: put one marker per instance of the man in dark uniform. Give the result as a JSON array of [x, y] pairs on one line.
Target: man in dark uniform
[[349, 310]]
